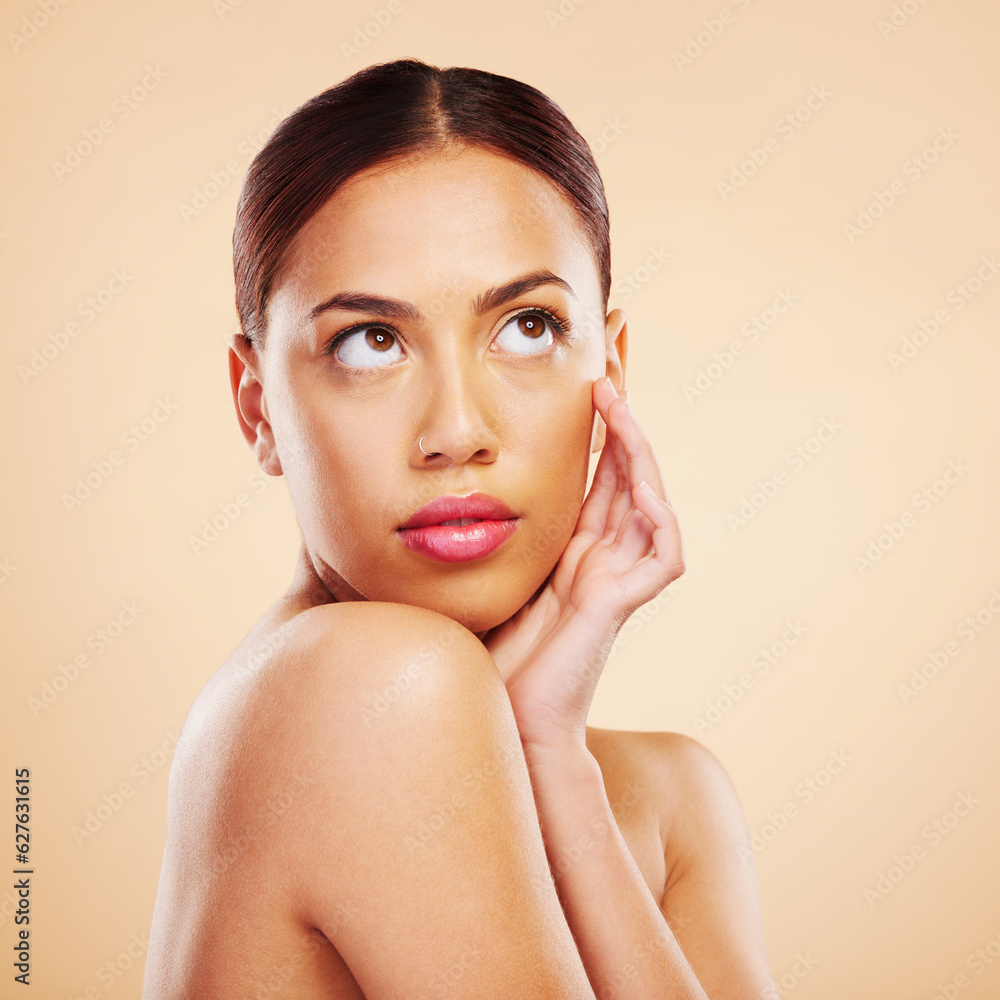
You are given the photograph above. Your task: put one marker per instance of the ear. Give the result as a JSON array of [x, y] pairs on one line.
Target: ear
[[616, 341], [251, 404]]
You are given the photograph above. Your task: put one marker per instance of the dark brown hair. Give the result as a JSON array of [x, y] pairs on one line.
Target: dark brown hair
[[389, 110]]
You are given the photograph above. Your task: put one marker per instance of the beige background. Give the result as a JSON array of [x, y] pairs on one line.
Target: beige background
[[664, 136]]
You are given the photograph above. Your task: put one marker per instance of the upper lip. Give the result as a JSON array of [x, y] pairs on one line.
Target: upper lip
[[450, 508]]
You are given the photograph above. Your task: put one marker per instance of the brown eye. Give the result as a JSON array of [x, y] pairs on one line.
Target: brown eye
[[377, 342], [380, 340], [535, 333], [531, 325]]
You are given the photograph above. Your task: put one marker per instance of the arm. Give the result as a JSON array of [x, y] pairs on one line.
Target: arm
[[625, 550], [419, 855], [626, 944]]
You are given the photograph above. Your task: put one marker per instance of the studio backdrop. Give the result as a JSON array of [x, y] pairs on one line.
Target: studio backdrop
[[806, 239]]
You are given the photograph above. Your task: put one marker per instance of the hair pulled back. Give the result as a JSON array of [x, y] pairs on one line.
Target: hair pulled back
[[392, 109]]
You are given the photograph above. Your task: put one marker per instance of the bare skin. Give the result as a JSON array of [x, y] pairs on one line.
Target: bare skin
[[390, 786]]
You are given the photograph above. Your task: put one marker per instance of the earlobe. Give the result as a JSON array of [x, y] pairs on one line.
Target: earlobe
[[616, 347], [616, 342], [251, 406]]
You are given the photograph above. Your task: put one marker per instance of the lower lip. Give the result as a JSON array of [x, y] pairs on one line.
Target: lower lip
[[451, 543]]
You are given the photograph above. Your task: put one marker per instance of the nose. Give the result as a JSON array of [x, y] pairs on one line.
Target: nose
[[459, 417]]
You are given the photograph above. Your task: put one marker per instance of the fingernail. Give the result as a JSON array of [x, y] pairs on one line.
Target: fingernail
[[627, 406], [611, 385]]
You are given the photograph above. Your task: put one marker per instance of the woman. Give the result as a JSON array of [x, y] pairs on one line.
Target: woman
[[389, 789]]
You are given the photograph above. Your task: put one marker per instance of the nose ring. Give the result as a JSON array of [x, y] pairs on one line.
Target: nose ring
[[421, 446]]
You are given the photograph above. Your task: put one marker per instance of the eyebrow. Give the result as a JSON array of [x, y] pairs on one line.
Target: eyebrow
[[489, 300]]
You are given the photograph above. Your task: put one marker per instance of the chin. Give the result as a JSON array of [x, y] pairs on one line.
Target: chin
[[481, 612]]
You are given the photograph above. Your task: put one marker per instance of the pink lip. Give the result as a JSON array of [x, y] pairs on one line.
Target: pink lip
[[424, 533], [450, 508]]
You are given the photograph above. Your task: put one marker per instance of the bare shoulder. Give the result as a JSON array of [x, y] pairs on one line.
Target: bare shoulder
[[711, 896], [359, 768], [697, 806], [293, 666], [328, 677]]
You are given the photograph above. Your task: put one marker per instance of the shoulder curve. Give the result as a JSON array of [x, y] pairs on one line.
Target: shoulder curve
[[320, 668], [701, 811], [694, 794], [308, 694], [354, 647], [712, 895], [668, 753], [364, 620]]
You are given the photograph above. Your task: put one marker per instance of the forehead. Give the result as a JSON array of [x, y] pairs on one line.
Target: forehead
[[460, 217]]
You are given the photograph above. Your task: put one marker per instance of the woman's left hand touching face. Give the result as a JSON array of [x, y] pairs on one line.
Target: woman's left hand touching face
[[626, 548]]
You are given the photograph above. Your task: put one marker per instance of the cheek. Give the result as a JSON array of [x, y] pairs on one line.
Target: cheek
[[557, 436], [332, 456]]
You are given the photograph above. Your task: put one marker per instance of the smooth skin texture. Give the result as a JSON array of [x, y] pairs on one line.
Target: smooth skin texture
[[390, 789]]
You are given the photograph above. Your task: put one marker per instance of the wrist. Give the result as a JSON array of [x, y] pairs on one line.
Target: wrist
[[565, 761]]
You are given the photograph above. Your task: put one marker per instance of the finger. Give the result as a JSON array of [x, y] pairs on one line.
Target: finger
[[637, 454], [609, 500], [635, 534], [621, 501], [634, 538], [665, 563], [597, 504]]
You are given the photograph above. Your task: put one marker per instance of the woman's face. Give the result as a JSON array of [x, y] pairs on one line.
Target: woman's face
[[455, 272]]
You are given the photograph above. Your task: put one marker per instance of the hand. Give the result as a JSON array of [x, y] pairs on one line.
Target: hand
[[625, 549]]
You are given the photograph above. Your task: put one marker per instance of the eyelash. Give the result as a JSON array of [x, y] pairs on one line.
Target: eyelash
[[561, 327]]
